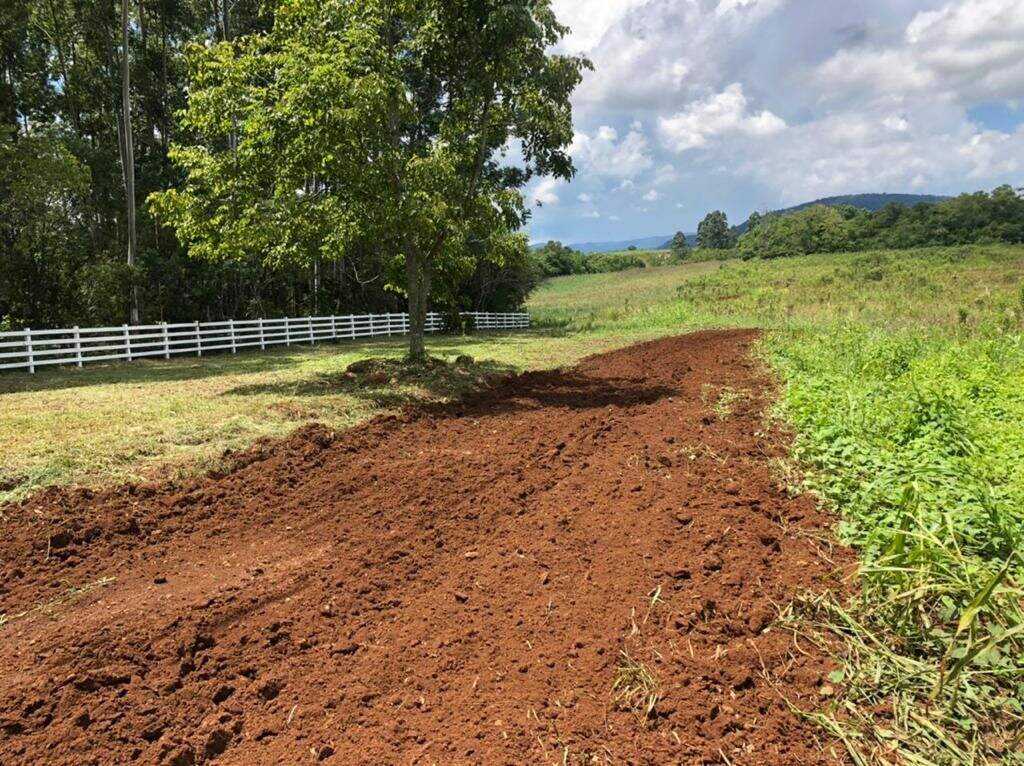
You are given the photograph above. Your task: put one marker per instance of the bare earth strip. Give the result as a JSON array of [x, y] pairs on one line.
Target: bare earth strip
[[577, 566]]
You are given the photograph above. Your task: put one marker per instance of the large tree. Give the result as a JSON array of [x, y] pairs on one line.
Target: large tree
[[714, 232], [374, 124], [679, 246]]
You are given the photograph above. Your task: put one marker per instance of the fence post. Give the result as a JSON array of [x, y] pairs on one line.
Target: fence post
[[352, 326], [199, 341], [309, 321], [167, 340], [334, 328], [287, 333], [388, 320], [231, 326], [127, 343], [28, 350], [263, 344], [78, 347]]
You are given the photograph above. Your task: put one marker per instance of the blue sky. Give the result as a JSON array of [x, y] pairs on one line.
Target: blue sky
[[757, 104]]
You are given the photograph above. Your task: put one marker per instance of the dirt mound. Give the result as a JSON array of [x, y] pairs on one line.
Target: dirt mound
[[576, 566]]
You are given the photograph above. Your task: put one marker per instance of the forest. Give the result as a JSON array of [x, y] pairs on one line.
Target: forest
[[93, 100]]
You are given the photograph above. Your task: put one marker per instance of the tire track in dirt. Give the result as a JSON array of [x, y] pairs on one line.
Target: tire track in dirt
[[455, 585]]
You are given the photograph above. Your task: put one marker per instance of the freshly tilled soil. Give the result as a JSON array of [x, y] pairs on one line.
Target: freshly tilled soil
[[458, 584]]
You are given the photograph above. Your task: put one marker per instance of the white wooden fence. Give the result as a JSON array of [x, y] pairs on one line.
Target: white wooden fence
[[29, 349]]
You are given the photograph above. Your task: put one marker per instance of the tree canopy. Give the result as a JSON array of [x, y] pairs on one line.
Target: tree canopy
[[982, 217], [679, 246], [381, 124], [714, 232]]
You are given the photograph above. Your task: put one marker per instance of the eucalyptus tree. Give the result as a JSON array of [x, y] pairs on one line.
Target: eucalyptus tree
[[386, 125]]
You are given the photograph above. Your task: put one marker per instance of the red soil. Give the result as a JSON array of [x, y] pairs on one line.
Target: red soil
[[454, 585]]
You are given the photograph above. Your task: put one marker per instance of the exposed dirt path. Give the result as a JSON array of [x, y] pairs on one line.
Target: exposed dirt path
[[451, 586]]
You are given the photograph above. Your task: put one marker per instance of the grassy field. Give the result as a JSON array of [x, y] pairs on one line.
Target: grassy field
[[902, 378]]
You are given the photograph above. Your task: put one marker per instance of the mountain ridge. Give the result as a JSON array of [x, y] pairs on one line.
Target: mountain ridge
[[870, 201]]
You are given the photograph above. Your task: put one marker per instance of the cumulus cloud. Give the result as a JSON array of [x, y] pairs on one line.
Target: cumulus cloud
[[651, 196], [751, 104], [544, 192], [654, 52], [966, 51], [724, 113], [844, 153], [605, 154], [666, 174]]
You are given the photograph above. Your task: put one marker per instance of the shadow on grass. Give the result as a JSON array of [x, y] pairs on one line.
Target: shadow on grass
[[388, 382], [566, 389], [470, 388], [246, 362]]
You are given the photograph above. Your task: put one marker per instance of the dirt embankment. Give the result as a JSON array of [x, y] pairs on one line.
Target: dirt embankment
[[461, 585]]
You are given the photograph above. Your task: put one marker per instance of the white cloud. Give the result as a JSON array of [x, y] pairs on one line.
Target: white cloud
[[658, 52], [666, 174], [604, 154], [744, 104], [589, 20], [592, 214], [965, 51], [846, 152], [897, 124], [544, 192], [720, 114], [651, 196]]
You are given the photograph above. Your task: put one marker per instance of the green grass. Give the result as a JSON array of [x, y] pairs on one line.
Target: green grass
[[615, 301], [902, 378]]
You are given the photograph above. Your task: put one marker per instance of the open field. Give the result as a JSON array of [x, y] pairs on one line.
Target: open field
[[902, 381], [575, 566]]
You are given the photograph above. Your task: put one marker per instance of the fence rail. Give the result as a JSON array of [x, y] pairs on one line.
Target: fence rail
[[29, 349]]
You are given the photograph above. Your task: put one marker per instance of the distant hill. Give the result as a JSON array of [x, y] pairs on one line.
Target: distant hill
[[870, 202], [641, 243], [864, 201]]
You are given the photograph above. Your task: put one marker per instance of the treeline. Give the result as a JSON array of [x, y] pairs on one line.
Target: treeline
[[67, 146], [995, 217], [553, 259]]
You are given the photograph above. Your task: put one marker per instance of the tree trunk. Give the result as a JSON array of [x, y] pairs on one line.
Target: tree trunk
[[128, 160], [417, 272]]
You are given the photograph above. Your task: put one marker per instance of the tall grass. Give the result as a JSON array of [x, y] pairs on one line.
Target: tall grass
[[917, 440], [903, 379]]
